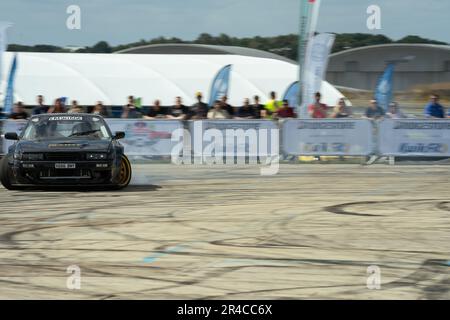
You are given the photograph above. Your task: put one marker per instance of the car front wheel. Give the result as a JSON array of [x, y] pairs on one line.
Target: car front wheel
[[5, 175], [124, 177]]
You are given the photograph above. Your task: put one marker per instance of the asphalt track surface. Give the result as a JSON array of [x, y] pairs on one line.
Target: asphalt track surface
[[185, 232]]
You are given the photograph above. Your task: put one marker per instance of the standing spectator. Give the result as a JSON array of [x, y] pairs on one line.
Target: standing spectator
[[19, 112], [434, 109], [75, 108], [58, 107], [374, 111], [199, 110], [271, 106], [341, 110], [40, 108], [317, 110], [155, 112], [179, 111], [226, 106], [257, 107], [395, 112], [130, 111], [285, 111], [99, 109], [246, 111], [218, 112]]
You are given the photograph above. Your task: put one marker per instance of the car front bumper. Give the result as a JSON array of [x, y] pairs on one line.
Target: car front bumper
[[73, 173]]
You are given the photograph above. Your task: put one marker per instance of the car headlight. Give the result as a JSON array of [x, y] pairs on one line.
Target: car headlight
[[17, 154], [96, 156], [32, 156]]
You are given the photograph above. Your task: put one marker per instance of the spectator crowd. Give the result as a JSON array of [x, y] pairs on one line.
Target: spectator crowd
[[273, 109]]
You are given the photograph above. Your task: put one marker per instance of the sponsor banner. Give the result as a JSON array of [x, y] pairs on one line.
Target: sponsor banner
[[3, 46], [414, 138], [146, 137], [383, 91], [291, 95], [309, 13], [238, 137], [220, 85], [9, 96], [315, 67], [343, 137], [10, 126]]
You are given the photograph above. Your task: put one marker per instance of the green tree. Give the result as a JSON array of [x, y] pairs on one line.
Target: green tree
[[417, 39]]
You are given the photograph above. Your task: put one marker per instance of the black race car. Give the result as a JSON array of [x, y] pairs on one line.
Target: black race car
[[65, 150]]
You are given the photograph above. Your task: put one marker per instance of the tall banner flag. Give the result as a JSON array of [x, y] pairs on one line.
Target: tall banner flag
[[3, 46], [309, 14], [316, 64], [383, 92], [220, 84], [9, 97], [291, 94]]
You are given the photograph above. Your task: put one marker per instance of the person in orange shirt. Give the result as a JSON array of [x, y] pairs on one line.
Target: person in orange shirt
[[317, 110]]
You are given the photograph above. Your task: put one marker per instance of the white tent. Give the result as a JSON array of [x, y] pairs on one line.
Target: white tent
[[112, 77]]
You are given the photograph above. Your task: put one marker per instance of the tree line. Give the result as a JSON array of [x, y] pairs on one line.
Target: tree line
[[284, 45]]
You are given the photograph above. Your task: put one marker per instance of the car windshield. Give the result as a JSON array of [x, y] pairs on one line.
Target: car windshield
[[66, 127]]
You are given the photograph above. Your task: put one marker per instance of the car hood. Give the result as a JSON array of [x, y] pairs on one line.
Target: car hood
[[60, 145]]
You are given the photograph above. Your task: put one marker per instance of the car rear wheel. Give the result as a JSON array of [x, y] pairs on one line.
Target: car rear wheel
[[5, 175], [124, 173]]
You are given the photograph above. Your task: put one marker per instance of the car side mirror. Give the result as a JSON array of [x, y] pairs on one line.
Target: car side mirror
[[119, 135], [11, 136]]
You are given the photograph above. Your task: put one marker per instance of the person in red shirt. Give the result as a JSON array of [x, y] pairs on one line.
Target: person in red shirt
[[317, 110], [285, 111]]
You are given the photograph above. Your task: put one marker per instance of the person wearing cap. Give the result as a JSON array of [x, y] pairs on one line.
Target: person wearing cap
[[434, 109], [395, 112], [374, 111], [199, 110], [317, 110]]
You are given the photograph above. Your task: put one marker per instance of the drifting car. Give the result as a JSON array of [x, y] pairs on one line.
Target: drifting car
[[65, 150]]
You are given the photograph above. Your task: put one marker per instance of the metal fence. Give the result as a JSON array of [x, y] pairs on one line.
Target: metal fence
[[314, 137]]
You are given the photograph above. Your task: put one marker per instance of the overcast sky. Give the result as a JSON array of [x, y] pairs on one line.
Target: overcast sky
[[124, 21]]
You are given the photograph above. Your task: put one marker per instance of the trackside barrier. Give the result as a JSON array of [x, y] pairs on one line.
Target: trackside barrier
[[334, 137], [328, 137], [146, 137], [237, 137], [411, 137]]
